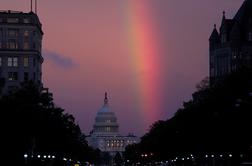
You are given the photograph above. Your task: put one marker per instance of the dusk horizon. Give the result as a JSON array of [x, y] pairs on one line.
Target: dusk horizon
[[148, 55]]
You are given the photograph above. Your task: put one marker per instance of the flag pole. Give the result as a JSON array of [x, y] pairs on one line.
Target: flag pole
[[36, 6], [31, 5]]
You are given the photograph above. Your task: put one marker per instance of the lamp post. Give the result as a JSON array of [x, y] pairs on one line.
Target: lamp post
[[25, 158]]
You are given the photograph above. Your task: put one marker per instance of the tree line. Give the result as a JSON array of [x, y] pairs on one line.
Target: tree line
[[32, 124], [217, 120]]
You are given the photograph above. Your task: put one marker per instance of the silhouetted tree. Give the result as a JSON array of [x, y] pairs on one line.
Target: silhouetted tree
[[106, 158], [33, 124], [118, 159], [217, 119]]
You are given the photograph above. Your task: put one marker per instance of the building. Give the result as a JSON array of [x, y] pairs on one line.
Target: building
[[20, 49], [231, 46], [105, 134]]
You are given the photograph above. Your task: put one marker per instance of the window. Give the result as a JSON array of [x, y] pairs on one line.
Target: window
[[26, 45], [26, 33], [26, 76], [13, 62], [12, 44], [26, 20], [26, 39], [12, 76], [12, 32], [12, 20], [10, 62], [26, 61], [107, 129]]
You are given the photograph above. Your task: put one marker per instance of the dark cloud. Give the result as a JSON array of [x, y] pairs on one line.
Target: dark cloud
[[59, 59]]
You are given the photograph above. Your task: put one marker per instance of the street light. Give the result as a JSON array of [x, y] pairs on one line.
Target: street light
[[25, 155]]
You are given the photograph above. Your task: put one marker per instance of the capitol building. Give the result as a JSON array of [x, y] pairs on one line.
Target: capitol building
[[105, 135]]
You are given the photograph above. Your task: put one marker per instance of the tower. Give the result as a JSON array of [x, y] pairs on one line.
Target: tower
[[230, 48], [20, 49]]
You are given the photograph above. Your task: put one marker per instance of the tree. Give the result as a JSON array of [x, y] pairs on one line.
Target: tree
[[32, 124], [217, 119], [118, 159]]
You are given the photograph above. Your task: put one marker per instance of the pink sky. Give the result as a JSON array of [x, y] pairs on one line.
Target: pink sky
[[87, 52]]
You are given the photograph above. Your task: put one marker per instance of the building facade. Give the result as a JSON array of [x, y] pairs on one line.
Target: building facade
[[105, 134], [231, 46], [20, 49]]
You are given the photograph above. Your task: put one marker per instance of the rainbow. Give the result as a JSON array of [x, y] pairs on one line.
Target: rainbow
[[144, 55]]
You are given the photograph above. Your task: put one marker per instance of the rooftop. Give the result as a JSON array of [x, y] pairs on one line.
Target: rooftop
[[19, 17]]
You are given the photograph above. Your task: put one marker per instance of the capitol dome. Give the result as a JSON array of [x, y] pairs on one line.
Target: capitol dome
[[105, 121], [105, 134]]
